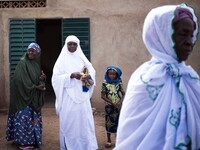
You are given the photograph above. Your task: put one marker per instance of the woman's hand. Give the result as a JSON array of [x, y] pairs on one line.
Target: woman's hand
[[42, 76], [41, 87], [85, 77], [76, 75]]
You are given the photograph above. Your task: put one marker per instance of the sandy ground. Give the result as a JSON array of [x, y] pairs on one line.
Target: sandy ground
[[51, 130]]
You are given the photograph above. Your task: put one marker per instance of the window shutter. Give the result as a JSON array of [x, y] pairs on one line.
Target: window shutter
[[79, 27], [22, 33]]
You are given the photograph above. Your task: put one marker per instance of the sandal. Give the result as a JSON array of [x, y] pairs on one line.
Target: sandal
[[26, 147], [108, 145]]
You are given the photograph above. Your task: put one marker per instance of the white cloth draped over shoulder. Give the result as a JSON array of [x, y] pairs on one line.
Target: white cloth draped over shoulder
[[161, 109], [72, 104]]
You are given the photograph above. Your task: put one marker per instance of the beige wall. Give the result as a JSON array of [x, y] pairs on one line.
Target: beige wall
[[2, 75], [116, 29]]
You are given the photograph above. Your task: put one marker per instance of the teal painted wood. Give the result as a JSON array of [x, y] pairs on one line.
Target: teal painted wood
[[22, 33], [79, 27]]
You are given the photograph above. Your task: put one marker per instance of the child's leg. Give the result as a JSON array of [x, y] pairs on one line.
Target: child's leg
[[108, 143], [108, 137]]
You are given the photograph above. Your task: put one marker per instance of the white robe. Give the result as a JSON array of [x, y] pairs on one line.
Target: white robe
[[161, 108], [73, 106]]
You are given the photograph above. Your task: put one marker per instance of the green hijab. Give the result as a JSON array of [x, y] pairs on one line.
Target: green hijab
[[23, 86]]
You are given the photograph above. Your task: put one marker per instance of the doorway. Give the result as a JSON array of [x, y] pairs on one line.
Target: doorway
[[49, 37], [50, 34]]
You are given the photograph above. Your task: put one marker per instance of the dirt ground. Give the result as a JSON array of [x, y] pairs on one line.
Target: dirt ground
[[51, 130]]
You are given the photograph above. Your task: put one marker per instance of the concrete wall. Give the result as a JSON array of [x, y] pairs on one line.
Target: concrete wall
[[116, 29], [2, 72]]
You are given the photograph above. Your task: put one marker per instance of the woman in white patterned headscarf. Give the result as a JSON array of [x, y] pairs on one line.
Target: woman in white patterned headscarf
[[161, 109], [72, 103]]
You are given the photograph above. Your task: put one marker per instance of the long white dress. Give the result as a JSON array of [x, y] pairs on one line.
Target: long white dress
[[77, 131]]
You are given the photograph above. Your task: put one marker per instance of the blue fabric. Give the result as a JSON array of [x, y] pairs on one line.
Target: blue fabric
[[118, 78], [85, 89], [34, 46], [21, 130]]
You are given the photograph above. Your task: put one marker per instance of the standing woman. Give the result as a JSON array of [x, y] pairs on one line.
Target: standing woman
[[161, 109], [73, 105], [24, 125]]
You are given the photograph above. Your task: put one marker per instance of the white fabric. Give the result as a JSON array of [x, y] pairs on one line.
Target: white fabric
[[161, 108], [72, 105]]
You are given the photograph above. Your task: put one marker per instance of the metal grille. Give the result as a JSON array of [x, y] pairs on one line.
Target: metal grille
[[23, 4]]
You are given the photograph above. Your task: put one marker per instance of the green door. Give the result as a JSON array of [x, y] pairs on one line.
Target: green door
[[22, 33], [79, 27]]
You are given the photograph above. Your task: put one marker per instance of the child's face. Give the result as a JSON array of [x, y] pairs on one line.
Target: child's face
[[183, 38], [112, 74]]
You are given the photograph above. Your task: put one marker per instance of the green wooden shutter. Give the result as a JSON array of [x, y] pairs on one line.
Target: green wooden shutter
[[22, 33], [79, 27]]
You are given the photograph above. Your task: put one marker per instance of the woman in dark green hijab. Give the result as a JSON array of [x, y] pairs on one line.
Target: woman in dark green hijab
[[24, 125]]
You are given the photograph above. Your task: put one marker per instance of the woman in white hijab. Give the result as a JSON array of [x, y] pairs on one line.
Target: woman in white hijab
[[73, 105], [161, 109]]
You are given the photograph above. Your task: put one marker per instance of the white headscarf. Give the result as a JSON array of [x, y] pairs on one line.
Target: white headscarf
[[158, 30], [66, 64], [161, 109]]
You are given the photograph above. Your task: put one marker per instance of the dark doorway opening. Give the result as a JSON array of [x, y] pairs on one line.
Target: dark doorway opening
[[49, 37]]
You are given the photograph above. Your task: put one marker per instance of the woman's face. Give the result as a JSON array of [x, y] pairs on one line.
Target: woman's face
[[112, 74], [32, 54], [72, 46], [182, 36]]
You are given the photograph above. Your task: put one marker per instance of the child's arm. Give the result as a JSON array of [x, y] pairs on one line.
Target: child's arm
[[104, 97], [123, 94], [122, 91]]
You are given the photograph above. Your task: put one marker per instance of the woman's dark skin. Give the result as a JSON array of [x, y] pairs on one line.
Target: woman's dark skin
[[32, 54], [72, 46], [42, 77], [183, 38]]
